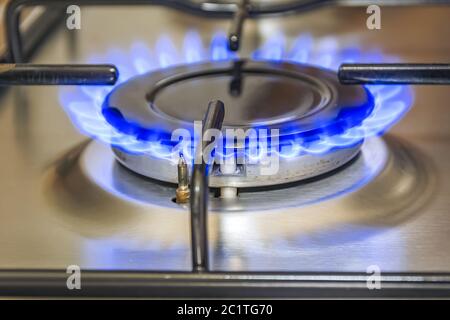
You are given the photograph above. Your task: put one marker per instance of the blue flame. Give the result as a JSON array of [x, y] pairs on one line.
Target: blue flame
[[84, 104]]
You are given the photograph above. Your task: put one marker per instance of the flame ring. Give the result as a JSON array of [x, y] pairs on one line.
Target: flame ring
[[84, 104]]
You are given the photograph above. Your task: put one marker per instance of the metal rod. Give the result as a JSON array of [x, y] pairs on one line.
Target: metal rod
[[199, 191], [437, 74], [235, 34], [66, 74], [175, 284], [236, 80]]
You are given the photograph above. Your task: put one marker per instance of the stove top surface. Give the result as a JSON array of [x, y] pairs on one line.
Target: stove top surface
[[55, 213]]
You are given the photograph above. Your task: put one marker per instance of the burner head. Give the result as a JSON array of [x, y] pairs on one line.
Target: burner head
[[296, 99], [299, 101]]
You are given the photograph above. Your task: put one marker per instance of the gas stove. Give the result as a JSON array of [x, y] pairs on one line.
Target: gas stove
[[176, 156]]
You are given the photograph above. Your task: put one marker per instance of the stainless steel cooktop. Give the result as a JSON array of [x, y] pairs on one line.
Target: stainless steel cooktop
[[56, 211]]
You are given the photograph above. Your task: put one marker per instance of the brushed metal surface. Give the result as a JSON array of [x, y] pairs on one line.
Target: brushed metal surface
[[290, 170], [400, 222]]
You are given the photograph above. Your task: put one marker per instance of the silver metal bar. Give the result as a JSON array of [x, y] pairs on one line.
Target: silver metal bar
[[199, 192], [235, 34], [64, 74], [357, 3], [52, 283], [395, 73]]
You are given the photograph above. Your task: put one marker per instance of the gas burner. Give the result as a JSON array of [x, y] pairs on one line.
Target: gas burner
[[299, 91], [313, 124], [296, 99], [295, 104]]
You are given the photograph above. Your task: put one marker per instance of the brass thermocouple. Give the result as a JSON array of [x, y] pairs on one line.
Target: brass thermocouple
[[182, 192]]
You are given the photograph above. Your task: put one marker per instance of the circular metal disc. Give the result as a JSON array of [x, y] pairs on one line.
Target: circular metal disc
[[293, 98], [99, 164]]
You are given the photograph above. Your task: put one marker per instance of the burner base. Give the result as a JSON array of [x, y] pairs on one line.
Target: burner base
[[98, 162], [280, 170]]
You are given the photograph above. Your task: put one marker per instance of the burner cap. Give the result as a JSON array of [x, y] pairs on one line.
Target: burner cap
[[296, 99]]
